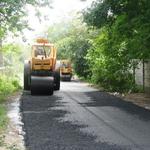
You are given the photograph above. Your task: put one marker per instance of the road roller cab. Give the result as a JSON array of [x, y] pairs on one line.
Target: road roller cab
[[40, 72], [65, 70]]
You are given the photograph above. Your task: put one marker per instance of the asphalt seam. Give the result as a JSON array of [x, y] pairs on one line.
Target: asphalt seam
[[100, 119]]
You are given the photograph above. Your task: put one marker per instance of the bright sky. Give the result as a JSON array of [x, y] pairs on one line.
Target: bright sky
[[62, 10]]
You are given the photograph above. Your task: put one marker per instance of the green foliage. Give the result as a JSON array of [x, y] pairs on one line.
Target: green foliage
[[97, 14], [105, 53], [72, 41], [79, 48], [63, 46], [12, 54], [10, 48], [59, 31], [8, 82], [12, 12], [124, 36], [7, 86], [129, 20], [110, 62], [107, 66]]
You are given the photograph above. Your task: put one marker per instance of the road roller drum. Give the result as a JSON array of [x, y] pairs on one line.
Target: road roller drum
[[42, 85]]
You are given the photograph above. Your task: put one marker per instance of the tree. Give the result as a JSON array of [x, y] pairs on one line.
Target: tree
[[12, 12], [72, 41], [11, 17], [124, 36]]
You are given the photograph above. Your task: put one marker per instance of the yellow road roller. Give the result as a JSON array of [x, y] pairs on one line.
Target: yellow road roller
[[40, 72], [65, 70]]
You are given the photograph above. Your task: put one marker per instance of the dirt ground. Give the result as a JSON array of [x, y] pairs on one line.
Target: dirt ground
[[140, 99], [12, 138]]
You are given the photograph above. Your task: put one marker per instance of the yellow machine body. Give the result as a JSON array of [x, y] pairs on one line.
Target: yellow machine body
[[43, 61], [42, 64], [65, 70]]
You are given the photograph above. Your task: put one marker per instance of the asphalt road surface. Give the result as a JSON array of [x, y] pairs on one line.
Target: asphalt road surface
[[79, 117]]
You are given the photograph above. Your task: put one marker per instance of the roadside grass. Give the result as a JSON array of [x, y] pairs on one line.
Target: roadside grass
[[134, 89], [8, 85], [3, 118]]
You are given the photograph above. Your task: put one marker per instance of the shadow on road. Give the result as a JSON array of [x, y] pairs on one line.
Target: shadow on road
[[46, 130], [102, 99]]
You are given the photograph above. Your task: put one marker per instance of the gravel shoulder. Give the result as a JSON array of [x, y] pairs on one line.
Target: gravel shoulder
[[12, 138], [139, 99]]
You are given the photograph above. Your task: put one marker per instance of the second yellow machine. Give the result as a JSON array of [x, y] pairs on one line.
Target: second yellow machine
[[65, 70], [40, 72]]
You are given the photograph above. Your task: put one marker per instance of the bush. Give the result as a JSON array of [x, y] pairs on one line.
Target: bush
[[7, 86], [109, 64]]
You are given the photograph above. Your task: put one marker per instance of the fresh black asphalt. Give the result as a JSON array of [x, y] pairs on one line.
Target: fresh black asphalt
[[79, 117]]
